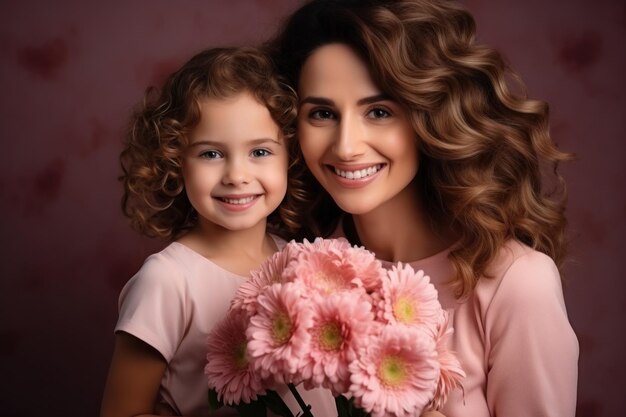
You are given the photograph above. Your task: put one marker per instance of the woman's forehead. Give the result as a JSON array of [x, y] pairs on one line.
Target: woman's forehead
[[333, 68]]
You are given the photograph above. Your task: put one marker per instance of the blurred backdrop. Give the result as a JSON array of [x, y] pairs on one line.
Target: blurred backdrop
[[70, 73]]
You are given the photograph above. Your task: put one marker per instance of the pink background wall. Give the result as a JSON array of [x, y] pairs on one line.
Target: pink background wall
[[70, 74]]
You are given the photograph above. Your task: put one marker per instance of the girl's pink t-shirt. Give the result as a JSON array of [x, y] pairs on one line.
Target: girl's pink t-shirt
[[172, 304]]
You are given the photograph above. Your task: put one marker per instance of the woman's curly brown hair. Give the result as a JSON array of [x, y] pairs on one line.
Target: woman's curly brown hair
[[484, 148], [154, 197]]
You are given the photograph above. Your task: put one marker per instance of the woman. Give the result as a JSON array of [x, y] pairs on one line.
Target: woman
[[412, 144]]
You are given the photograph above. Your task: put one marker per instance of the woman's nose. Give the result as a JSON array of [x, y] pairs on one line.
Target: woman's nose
[[349, 139]]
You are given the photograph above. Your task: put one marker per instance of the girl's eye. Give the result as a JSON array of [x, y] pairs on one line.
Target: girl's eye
[[211, 155], [322, 114], [379, 113], [259, 153]]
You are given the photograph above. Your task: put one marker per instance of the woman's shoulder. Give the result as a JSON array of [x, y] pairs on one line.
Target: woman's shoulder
[[516, 258], [522, 275]]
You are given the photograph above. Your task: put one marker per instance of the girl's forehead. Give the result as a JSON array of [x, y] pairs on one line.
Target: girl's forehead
[[240, 116]]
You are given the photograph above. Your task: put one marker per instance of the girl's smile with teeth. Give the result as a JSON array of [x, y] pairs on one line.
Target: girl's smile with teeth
[[239, 200]]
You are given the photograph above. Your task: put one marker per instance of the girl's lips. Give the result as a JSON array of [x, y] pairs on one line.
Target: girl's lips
[[238, 202], [357, 175]]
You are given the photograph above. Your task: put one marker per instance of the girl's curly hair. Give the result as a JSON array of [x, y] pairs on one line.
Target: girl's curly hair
[[485, 150], [154, 197]]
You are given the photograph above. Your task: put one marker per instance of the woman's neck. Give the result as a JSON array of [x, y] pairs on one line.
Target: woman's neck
[[400, 230]]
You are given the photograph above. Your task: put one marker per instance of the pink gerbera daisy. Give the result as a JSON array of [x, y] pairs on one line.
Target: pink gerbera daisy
[[396, 374], [451, 373], [409, 298], [368, 270], [270, 272], [342, 322], [322, 271], [278, 333], [228, 370], [337, 246]]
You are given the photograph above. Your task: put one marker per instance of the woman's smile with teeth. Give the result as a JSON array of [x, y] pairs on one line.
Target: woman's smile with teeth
[[359, 173]]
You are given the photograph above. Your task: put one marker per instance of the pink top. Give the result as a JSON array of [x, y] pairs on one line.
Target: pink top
[[512, 337], [172, 304]]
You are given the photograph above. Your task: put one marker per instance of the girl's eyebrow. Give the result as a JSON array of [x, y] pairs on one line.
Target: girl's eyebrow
[[322, 101], [205, 142], [261, 141], [254, 142]]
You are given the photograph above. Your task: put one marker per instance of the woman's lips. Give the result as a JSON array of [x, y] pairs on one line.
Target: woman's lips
[[355, 176]]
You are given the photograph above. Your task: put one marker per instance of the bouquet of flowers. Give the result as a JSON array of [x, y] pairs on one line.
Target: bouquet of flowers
[[326, 314]]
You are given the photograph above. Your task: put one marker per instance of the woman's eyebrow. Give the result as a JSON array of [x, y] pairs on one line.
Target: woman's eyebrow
[[328, 102], [317, 100], [374, 99]]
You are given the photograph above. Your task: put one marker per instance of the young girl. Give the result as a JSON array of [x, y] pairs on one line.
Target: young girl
[[412, 143], [204, 165]]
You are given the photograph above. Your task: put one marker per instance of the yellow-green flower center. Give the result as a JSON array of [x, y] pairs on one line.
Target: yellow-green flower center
[[326, 281], [329, 282], [330, 336], [281, 328], [240, 356], [392, 371], [404, 310]]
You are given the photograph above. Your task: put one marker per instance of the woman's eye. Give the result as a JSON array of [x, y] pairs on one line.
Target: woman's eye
[[379, 113], [211, 155], [322, 114], [259, 153]]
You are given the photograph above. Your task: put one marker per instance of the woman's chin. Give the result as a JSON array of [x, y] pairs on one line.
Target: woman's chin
[[356, 207]]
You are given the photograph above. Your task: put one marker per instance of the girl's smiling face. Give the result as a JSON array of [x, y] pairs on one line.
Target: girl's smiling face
[[356, 141], [235, 168]]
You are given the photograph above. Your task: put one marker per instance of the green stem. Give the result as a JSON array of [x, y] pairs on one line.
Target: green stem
[[306, 408]]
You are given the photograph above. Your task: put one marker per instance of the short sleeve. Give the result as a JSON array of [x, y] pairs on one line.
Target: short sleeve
[[152, 306], [533, 351]]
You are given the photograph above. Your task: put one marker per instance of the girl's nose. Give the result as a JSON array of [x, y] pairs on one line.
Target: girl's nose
[[236, 172]]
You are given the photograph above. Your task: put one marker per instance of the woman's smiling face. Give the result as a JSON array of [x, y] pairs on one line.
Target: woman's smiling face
[[356, 141]]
